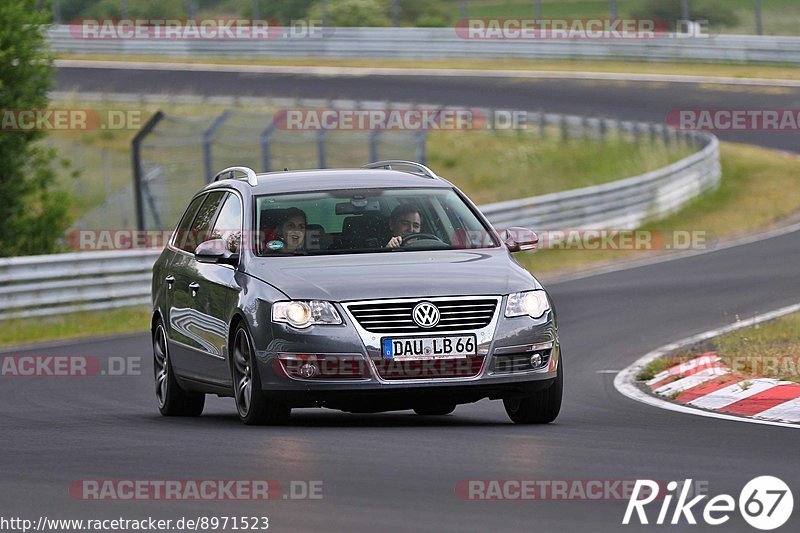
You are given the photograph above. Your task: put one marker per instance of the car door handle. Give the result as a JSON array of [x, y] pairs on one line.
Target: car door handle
[[170, 280], [194, 286]]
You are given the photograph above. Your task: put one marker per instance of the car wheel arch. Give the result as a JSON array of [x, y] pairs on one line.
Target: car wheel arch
[[155, 319]]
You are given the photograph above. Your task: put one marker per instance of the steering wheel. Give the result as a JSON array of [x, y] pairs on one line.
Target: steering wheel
[[413, 237]]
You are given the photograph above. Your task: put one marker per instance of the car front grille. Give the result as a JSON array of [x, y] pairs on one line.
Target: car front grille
[[396, 316]]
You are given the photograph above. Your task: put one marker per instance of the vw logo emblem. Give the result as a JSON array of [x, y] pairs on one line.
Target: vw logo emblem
[[426, 315]]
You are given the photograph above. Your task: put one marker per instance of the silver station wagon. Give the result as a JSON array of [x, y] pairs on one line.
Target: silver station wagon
[[364, 290]]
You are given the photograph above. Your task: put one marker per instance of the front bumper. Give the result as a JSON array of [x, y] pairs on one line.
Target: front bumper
[[498, 371]]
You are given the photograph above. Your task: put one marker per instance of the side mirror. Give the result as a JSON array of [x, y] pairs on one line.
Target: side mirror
[[520, 239], [215, 251]]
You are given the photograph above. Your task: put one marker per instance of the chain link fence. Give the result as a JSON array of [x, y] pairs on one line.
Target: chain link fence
[[181, 154]]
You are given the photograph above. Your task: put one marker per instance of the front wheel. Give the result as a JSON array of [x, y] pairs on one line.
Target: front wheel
[[172, 400], [542, 407], [253, 407]]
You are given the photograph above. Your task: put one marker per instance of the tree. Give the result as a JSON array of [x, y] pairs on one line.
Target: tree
[[33, 209]]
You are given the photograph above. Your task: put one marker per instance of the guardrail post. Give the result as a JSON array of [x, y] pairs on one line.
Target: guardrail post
[[321, 136], [374, 137], [420, 154], [585, 128], [603, 129], [637, 132], [542, 124], [208, 138], [264, 138], [138, 173], [564, 127]]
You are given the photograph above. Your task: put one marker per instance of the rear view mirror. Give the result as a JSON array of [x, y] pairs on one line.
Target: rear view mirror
[[520, 239]]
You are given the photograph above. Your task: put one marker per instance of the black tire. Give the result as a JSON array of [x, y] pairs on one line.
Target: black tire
[[253, 408], [172, 400], [540, 408], [435, 410]]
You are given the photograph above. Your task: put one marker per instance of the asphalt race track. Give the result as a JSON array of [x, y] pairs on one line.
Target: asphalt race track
[[399, 471]]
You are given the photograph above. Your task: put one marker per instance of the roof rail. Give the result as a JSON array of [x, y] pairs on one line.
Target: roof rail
[[249, 173], [419, 168]]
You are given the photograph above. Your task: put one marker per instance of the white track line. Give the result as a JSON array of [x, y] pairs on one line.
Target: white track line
[[625, 381], [422, 72]]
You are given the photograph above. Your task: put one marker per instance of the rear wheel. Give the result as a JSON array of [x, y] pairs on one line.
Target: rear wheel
[[172, 400], [253, 407], [435, 410], [541, 407]]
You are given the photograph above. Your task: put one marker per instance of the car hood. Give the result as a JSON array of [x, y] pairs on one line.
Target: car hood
[[394, 275]]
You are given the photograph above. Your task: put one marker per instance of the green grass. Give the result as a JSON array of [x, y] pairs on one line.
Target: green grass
[[759, 182], [767, 350], [491, 167], [524, 9], [771, 349], [654, 367], [74, 325]]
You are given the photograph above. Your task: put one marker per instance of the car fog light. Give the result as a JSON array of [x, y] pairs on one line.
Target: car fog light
[[308, 371], [536, 360]]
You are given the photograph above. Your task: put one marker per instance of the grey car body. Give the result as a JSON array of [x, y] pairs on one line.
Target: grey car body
[[214, 330]]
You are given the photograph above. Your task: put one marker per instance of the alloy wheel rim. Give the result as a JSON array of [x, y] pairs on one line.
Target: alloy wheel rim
[[243, 378], [160, 366]]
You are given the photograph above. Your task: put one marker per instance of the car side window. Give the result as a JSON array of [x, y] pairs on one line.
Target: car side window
[[228, 226], [200, 230], [186, 221]]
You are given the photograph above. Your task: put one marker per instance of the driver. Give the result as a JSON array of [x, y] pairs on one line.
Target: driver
[[405, 219]]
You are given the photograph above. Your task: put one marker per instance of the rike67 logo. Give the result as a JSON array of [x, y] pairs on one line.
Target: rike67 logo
[[765, 503]]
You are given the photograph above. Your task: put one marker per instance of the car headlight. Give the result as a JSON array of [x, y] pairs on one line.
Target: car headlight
[[532, 303], [303, 314]]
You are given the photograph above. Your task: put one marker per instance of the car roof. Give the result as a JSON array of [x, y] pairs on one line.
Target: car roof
[[332, 179]]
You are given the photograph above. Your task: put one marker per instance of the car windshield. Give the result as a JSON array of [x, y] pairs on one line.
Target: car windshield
[[367, 220]]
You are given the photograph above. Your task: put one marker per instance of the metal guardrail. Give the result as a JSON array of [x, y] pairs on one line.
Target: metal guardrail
[[52, 284], [81, 281], [438, 43], [623, 204]]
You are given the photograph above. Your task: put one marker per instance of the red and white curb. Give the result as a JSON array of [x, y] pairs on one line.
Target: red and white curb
[[705, 382], [705, 387]]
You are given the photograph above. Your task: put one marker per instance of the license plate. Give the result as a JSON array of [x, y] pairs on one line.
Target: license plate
[[418, 348]]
